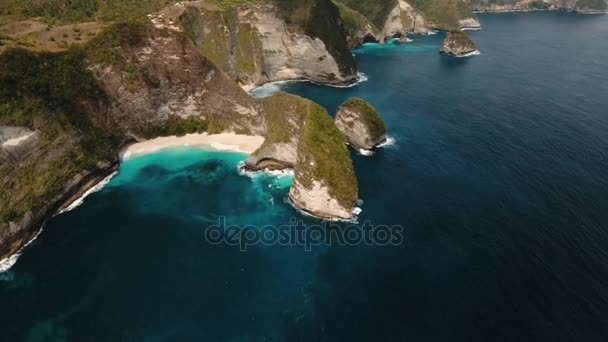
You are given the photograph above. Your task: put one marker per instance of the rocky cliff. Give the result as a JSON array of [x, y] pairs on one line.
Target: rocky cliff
[[360, 124], [65, 115], [301, 135], [457, 44], [396, 18], [260, 42]]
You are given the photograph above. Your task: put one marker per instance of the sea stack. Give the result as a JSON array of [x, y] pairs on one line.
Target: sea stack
[[361, 124], [457, 44]]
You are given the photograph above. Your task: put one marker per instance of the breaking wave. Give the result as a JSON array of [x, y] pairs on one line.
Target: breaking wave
[[268, 89], [474, 53], [94, 189]]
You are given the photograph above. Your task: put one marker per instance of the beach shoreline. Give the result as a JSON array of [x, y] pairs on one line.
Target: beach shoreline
[[222, 142]]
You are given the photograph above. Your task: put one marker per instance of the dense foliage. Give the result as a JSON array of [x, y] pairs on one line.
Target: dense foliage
[[324, 147], [54, 95], [376, 11], [81, 10]]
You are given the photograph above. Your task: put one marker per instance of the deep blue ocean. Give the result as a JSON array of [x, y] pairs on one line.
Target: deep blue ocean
[[498, 174]]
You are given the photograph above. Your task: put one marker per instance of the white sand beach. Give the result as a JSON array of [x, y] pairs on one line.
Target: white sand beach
[[223, 142]]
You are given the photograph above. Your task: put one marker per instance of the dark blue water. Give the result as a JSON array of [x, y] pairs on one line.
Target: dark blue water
[[499, 175]]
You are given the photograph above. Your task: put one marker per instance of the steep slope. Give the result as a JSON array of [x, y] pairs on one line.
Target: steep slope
[[64, 116], [265, 41], [395, 18]]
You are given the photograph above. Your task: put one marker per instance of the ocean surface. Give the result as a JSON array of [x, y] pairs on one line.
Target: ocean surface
[[498, 175]]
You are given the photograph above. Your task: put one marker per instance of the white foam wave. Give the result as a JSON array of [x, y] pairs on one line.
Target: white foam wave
[[365, 152], [432, 32], [361, 77], [94, 189], [390, 141], [10, 261], [471, 28], [474, 53], [266, 172], [268, 89], [355, 219], [7, 263]]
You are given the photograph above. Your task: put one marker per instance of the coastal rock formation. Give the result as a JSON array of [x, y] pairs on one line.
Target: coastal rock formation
[[457, 44], [325, 184], [255, 44], [469, 23], [361, 124], [397, 18], [301, 135], [136, 82]]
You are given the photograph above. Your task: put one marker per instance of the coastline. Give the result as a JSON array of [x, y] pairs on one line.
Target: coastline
[[221, 142], [92, 181], [75, 191]]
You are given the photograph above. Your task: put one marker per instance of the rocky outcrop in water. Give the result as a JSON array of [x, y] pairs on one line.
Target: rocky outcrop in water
[[360, 124], [302, 136], [457, 44]]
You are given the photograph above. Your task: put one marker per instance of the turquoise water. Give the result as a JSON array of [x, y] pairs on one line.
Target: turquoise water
[[497, 174]]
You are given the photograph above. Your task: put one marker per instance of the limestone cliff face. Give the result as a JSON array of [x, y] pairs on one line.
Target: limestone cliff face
[[301, 135], [413, 16], [457, 44], [253, 44], [360, 124], [161, 75], [325, 184]]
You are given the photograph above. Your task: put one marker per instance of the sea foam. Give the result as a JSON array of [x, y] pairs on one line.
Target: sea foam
[[94, 189], [7, 263], [266, 172], [266, 90], [390, 141], [474, 53]]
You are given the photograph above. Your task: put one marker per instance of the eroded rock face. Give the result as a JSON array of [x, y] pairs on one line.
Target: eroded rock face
[[470, 23], [405, 19], [316, 200], [164, 75], [457, 44], [360, 124], [254, 45]]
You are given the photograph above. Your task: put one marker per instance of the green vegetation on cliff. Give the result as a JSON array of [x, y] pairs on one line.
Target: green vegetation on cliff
[[376, 11], [230, 45], [321, 19], [49, 93], [325, 157], [103, 48], [445, 14], [80, 10], [370, 116]]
